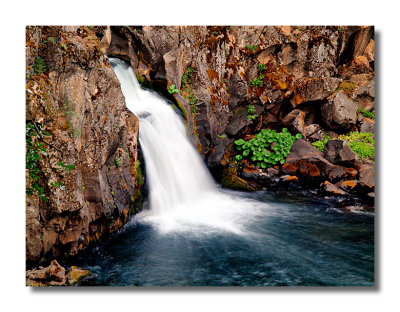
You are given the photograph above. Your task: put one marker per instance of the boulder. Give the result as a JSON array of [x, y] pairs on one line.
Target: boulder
[[348, 186], [231, 180], [295, 121], [339, 113], [75, 274], [330, 189], [367, 176], [339, 152], [313, 89], [53, 275], [307, 162]]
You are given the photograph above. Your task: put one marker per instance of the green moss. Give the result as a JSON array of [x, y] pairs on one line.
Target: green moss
[[347, 87]]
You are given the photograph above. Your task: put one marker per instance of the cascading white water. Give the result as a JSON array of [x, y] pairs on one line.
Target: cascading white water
[[182, 193]]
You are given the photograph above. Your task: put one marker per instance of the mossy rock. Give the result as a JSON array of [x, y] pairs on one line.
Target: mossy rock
[[232, 181]]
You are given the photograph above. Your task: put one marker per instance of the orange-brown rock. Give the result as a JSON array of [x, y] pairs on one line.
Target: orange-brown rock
[[75, 274], [53, 275]]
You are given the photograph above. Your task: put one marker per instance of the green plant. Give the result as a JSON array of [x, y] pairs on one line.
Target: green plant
[[363, 144], [259, 81], [90, 27], [65, 167], [321, 143], [252, 48], [222, 136], [51, 39], [34, 149], [117, 161], [187, 77], [250, 112], [261, 67], [39, 65], [267, 148], [58, 184], [127, 153], [172, 89], [366, 113]]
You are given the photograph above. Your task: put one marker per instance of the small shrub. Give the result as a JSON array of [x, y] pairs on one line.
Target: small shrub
[[252, 48], [172, 89], [250, 112], [39, 66], [262, 67], [363, 144], [258, 82], [366, 113], [321, 143], [117, 161], [267, 148]]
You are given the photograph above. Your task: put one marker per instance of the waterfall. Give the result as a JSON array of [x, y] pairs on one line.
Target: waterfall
[[182, 193]]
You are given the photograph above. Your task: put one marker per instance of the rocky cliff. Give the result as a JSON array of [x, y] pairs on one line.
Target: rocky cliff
[[83, 172], [231, 82]]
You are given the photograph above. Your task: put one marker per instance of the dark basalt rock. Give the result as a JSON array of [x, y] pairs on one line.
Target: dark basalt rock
[[339, 113], [339, 152]]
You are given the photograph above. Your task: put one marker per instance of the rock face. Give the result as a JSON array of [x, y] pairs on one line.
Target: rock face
[[222, 73], [89, 171]]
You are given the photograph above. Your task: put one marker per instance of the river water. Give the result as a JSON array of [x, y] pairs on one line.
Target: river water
[[195, 233]]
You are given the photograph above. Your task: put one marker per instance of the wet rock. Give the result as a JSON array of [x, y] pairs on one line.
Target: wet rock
[[339, 152], [289, 178], [349, 185], [53, 275], [339, 113], [231, 180], [75, 274], [331, 189]]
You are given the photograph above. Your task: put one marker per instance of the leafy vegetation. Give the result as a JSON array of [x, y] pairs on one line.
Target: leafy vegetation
[[187, 77], [258, 82], [39, 65], [366, 113], [321, 143], [250, 112], [172, 89], [363, 144], [267, 148], [252, 47], [261, 68], [34, 149], [117, 161]]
